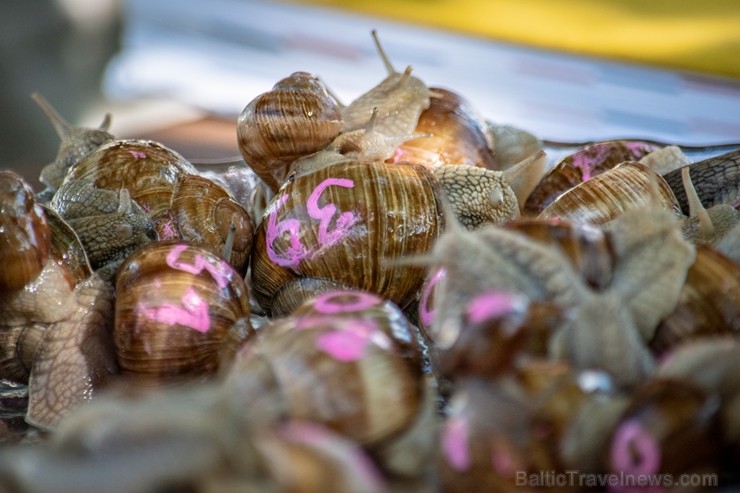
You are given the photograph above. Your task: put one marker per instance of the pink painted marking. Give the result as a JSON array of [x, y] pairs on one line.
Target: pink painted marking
[[324, 214], [192, 313], [639, 149], [296, 252], [349, 343], [634, 450], [331, 302], [455, 443], [491, 304], [426, 314], [220, 271], [138, 154], [587, 162]]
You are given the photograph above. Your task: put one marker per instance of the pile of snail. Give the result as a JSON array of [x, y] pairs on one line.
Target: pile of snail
[[390, 295]]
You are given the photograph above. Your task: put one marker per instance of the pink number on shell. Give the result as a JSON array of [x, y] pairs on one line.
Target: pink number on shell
[[348, 343], [192, 313], [330, 303], [137, 154], [634, 450], [426, 314], [296, 252], [489, 305], [221, 271], [455, 443], [324, 214]]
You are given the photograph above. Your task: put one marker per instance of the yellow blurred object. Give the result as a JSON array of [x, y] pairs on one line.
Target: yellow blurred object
[[690, 35]]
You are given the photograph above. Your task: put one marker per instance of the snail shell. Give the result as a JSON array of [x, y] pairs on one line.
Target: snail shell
[[296, 118], [454, 134], [340, 225], [581, 166], [176, 311], [606, 196], [343, 375], [717, 181], [25, 242], [165, 185], [363, 308], [709, 303]]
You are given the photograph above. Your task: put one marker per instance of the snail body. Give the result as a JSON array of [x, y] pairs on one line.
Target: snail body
[[76, 143], [54, 333]]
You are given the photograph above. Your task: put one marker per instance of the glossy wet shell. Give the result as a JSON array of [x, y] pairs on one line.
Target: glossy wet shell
[[347, 223], [581, 166], [456, 135], [296, 118], [175, 311], [25, 241], [610, 194]]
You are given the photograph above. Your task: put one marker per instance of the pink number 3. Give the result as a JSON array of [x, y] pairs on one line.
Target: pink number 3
[[296, 251]]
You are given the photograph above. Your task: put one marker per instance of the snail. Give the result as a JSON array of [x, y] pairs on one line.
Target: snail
[[181, 312], [179, 202], [607, 195], [299, 117], [76, 143], [324, 225], [56, 314], [579, 167], [352, 376]]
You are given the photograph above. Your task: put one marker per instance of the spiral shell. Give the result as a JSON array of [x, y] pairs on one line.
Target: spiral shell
[[610, 194], [341, 224], [581, 166], [296, 118], [176, 313]]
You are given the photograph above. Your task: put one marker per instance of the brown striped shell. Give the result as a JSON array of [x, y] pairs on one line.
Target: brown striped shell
[[610, 194], [176, 313], [296, 118], [341, 224], [580, 167], [25, 242], [454, 134], [348, 377], [709, 303]]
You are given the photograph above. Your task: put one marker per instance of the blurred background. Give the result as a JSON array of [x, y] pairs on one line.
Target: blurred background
[[568, 70]]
